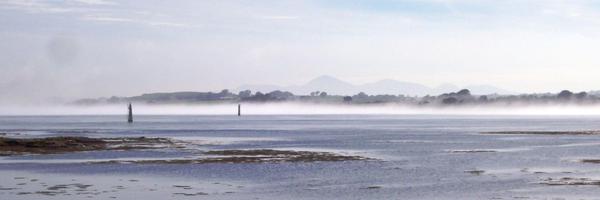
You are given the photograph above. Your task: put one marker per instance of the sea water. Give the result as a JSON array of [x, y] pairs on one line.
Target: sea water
[[414, 157]]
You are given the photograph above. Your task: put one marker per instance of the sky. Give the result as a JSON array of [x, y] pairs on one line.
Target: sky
[[63, 50]]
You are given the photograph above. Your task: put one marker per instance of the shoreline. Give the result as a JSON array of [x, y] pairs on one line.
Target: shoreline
[[63, 144]]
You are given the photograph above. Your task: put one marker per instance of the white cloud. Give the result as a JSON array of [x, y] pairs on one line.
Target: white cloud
[[279, 17], [104, 18], [96, 2], [33, 6], [91, 10]]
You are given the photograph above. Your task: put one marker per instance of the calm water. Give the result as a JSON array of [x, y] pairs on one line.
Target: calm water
[[415, 158]]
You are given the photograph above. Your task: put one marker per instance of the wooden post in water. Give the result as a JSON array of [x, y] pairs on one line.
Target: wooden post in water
[[239, 109], [130, 117]]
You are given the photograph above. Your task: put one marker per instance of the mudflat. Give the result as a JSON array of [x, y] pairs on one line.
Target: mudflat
[[51, 145]]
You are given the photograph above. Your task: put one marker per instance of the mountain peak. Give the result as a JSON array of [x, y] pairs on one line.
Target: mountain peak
[[334, 85], [324, 79]]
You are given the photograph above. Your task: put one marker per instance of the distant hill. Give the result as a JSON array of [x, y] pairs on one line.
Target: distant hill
[[324, 83], [333, 85]]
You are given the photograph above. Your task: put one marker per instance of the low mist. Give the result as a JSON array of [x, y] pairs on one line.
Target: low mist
[[298, 109]]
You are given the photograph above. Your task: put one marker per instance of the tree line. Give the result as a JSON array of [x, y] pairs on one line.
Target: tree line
[[461, 97]]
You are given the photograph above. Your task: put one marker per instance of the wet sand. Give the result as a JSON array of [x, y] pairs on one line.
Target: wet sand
[[48, 186], [53, 145], [79, 187]]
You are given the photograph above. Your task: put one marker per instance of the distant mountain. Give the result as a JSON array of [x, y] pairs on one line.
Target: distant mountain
[[333, 85], [324, 83], [389, 86], [444, 88], [487, 89]]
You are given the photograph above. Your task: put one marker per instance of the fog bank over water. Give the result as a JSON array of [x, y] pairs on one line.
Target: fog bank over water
[[298, 109]]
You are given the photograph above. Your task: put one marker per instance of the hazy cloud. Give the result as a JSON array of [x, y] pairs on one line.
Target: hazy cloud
[[104, 18], [96, 2], [279, 17], [132, 47], [63, 50]]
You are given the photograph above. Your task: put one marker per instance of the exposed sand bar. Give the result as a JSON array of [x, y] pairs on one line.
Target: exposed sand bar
[[252, 156], [52, 145], [594, 161], [588, 132], [570, 181]]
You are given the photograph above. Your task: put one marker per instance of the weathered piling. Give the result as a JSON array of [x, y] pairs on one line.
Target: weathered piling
[[130, 117], [239, 109]]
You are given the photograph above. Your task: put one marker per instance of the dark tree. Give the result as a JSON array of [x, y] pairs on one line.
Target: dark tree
[[245, 94], [565, 94], [464, 92], [449, 100], [258, 95], [361, 95], [279, 95], [581, 95], [224, 92], [483, 98], [347, 99]]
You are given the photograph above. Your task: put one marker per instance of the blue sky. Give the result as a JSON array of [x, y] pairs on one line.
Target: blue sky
[[81, 48]]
